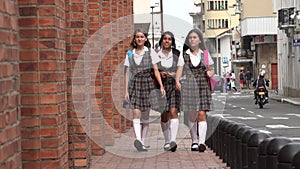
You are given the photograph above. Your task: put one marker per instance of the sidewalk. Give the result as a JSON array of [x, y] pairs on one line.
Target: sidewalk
[[123, 155], [272, 95]]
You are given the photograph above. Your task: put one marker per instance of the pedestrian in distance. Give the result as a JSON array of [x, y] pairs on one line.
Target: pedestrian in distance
[[241, 79], [195, 92], [248, 77], [139, 63], [167, 67], [232, 85]]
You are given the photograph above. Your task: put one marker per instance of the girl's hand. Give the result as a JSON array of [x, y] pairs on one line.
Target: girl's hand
[[127, 96], [163, 74], [178, 85], [163, 92], [210, 73], [171, 74]]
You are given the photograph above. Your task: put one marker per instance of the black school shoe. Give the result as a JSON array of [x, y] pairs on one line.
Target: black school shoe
[[173, 146], [194, 147], [139, 146], [202, 148]]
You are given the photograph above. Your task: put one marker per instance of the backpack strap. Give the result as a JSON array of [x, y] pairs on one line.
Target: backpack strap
[[205, 53], [130, 53]]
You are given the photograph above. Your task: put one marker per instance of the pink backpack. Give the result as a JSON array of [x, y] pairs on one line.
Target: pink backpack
[[212, 82]]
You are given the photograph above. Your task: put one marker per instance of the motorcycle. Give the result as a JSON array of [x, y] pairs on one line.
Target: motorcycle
[[261, 98]]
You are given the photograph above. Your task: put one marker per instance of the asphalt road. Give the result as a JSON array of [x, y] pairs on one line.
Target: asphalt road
[[276, 118]]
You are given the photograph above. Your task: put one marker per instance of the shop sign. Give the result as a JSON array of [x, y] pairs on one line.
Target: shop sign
[[265, 39], [225, 60], [296, 42]]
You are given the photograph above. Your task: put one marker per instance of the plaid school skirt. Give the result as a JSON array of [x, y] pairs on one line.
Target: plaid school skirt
[[195, 94], [139, 90], [172, 95]]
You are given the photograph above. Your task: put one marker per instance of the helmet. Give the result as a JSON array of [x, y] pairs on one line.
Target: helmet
[[262, 73]]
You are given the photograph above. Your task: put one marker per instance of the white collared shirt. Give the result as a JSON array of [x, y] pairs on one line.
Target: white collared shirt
[[195, 59], [138, 57], [166, 61]]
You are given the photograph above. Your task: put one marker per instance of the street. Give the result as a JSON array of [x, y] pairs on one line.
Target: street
[[276, 118]]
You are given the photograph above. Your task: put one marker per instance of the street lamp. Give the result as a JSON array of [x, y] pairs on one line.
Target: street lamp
[[152, 7]]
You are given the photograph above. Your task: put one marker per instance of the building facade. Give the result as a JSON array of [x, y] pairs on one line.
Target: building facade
[[288, 45], [219, 21], [258, 48]]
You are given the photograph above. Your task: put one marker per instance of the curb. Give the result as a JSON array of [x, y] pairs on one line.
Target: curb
[[286, 100]]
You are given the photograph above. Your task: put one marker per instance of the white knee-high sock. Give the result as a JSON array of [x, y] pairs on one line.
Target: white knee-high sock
[[145, 126], [137, 128], [193, 131], [166, 130], [174, 123], [202, 128]]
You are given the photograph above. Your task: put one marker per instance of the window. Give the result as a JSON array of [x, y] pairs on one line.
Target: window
[[211, 5], [223, 23], [216, 5]]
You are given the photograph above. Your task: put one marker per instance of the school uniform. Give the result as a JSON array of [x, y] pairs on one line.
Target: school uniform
[[195, 93], [141, 83], [169, 64]]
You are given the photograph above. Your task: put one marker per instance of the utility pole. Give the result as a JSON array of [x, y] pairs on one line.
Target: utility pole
[[152, 7], [161, 16]]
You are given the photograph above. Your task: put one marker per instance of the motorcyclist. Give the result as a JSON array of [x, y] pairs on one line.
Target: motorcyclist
[[261, 82]]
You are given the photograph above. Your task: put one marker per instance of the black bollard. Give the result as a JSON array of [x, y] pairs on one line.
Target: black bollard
[[286, 155], [225, 143], [253, 145], [220, 137], [296, 161], [273, 149], [262, 153], [219, 140], [245, 140], [238, 140], [208, 140], [229, 144], [233, 141], [215, 123]]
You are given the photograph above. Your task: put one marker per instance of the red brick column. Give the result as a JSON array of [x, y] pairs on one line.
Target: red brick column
[[10, 140], [114, 41], [96, 74], [43, 84], [78, 83]]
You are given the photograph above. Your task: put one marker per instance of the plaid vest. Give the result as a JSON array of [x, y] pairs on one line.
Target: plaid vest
[[144, 67], [189, 69]]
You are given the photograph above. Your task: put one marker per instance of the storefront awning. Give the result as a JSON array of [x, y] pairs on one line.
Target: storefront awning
[[242, 60]]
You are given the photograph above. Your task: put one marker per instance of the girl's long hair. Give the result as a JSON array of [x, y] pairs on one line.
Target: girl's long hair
[[187, 45], [147, 42], [173, 45]]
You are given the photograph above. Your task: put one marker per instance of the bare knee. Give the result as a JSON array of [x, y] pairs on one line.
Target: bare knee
[[173, 113]]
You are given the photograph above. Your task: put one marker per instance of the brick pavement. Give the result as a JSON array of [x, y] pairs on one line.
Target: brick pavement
[[123, 155]]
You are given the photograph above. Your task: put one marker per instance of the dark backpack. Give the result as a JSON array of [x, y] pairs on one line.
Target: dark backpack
[[241, 76]]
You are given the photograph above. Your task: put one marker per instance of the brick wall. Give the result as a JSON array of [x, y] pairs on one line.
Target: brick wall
[[96, 74], [116, 35], [56, 105], [43, 84], [78, 83], [10, 139]]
